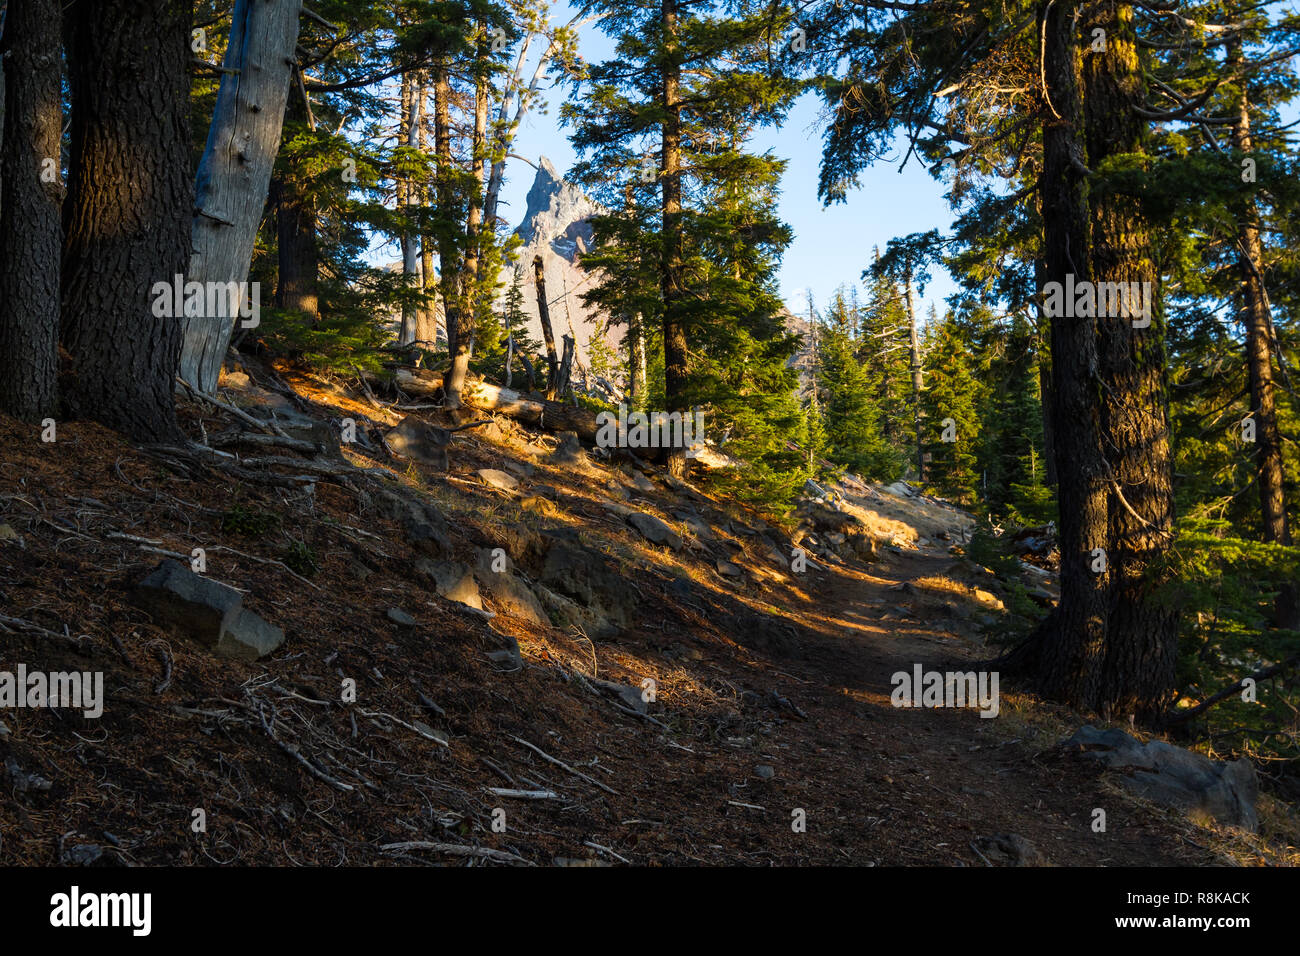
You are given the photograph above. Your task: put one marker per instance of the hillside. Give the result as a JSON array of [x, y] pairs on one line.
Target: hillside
[[771, 689]]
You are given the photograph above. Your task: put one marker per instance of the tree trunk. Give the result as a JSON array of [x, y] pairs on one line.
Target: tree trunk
[[914, 352], [297, 255], [408, 197], [1042, 336], [460, 349], [235, 170], [1256, 318], [544, 314], [449, 279], [31, 234], [636, 352], [128, 211], [1067, 650], [672, 286], [1142, 635]]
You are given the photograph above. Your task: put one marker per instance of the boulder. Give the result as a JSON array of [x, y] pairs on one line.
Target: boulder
[[510, 594], [419, 441], [422, 524], [501, 480], [654, 530], [205, 611], [400, 617], [1174, 777], [641, 483], [452, 580], [1009, 849], [586, 577]]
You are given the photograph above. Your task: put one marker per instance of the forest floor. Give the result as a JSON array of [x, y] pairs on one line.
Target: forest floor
[[784, 672]]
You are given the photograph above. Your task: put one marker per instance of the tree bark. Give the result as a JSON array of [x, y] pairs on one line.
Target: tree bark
[[128, 211], [914, 354], [636, 353], [235, 170], [671, 277], [31, 234], [448, 246], [544, 315], [408, 197], [1256, 319], [460, 348], [297, 254], [1069, 644], [1142, 635]]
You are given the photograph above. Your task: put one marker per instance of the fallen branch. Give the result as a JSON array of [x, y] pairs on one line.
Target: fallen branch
[[561, 764], [523, 794], [239, 413], [293, 752], [457, 849]]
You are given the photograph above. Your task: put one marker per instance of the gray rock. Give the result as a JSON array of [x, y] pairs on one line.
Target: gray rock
[[729, 570], [569, 450], [509, 656], [1010, 849], [641, 483], [248, 637], [420, 441], [453, 581], [520, 468], [423, 525], [181, 601], [654, 530], [83, 854], [22, 780], [205, 611], [699, 527], [617, 490], [1174, 777], [631, 697], [587, 577], [510, 594], [501, 480], [569, 613], [400, 617], [764, 771]]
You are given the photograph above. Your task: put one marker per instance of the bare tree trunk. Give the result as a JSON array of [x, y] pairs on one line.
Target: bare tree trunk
[[128, 211], [544, 314], [235, 171], [914, 351], [31, 234], [636, 352], [671, 278]]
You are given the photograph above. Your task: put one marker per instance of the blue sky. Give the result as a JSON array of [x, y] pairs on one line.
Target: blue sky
[[831, 245]]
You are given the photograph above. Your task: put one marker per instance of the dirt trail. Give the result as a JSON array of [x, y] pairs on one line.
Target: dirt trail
[[916, 785]]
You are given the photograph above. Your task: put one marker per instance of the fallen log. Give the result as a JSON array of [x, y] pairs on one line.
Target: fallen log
[[484, 396]]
